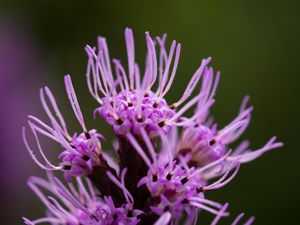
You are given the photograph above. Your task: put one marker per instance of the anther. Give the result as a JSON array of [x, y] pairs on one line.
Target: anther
[[87, 135], [66, 167], [212, 142], [167, 208], [173, 106], [169, 176], [200, 189], [130, 104], [119, 121], [184, 180], [161, 124], [85, 157], [129, 213], [185, 201], [154, 177], [185, 151], [93, 216]]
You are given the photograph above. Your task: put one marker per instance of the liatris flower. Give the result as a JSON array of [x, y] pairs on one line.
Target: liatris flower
[[129, 102], [81, 151], [164, 163], [81, 204]]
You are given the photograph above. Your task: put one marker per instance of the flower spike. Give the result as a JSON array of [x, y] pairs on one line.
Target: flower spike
[[162, 164]]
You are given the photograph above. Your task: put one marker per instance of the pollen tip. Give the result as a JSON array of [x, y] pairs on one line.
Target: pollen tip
[[173, 106], [119, 121], [161, 124]]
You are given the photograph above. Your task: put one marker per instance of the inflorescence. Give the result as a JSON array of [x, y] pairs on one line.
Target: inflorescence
[[164, 162]]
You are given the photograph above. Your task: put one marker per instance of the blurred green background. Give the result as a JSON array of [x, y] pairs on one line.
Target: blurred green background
[[255, 45]]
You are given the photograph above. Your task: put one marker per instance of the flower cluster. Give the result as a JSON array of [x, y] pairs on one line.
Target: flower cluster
[[162, 163]]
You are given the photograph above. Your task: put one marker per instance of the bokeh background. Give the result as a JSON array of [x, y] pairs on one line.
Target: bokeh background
[[255, 44]]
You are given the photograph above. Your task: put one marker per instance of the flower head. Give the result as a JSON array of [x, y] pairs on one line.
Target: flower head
[[81, 151], [128, 100], [81, 205], [164, 163]]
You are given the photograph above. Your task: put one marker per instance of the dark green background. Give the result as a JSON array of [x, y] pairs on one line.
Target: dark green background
[[255, 45]]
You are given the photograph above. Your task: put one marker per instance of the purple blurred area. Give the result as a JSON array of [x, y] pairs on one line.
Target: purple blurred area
[[21, 74]]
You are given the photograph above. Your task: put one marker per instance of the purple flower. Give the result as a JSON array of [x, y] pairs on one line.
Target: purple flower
[[164, 162], [81, 152], [204, 143], [130, 101], [79, 204]]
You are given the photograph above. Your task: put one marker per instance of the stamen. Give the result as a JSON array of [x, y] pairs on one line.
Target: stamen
[[34, 157], [166, 69], [66, 194], [169, 176], [173, 106], [130, 55], [149, 145], [161, 124], [167, 88], [212, 142], [74, 102], [126, 193], [139, 150], [85, 157], [164, 219], [224, 180], [220, 214], [62, 125], [152, 61], [193, 82], [87, 135], [154, 177], [119, 121], [184, 180], [66, 167]]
